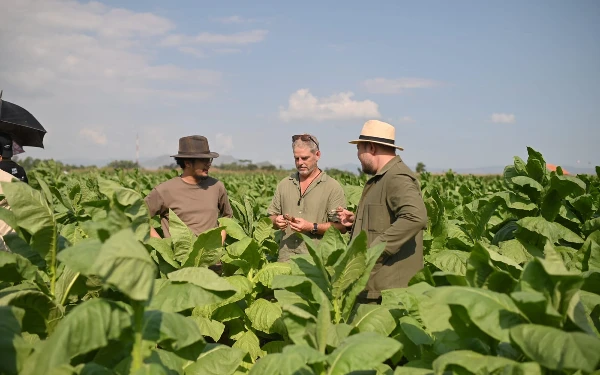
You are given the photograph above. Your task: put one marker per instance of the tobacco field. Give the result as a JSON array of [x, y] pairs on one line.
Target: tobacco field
[[511, 283]]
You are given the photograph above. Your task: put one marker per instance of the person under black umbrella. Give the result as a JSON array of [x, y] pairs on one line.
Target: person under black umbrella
[[8, 165]]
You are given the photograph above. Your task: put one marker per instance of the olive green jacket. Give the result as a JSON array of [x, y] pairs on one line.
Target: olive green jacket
[[392, 210]]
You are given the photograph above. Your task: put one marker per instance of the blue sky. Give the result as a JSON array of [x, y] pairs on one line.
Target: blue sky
[[466, 83]]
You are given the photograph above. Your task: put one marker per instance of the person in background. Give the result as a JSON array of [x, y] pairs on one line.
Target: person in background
[[306, 201], [8, 165], [195, 197], [391, 210]]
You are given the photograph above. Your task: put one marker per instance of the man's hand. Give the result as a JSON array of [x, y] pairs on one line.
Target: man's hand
[[346, 217], [154, 233], [281, 222], [301, 225]]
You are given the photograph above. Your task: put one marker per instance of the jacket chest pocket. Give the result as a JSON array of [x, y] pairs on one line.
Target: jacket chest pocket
[[378, 217]]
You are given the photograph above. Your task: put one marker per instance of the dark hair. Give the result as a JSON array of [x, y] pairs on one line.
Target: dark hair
[[181, 162]]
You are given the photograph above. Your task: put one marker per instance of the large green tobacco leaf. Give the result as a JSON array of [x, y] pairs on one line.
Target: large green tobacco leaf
[[121, 261], [331, 246], [450, 261], [350, 266], [373, 253], [294, 359], [560, 187], [591, 304], [493, 313], [211, 328], [556, 349], [588, 257], [536, 166], [476, 363], [266, 274], [263, 230], [124, 263], [33, 215], [541, 227], [318, 272], [233, 228], [41, 312], [65, 283], [489, 269], [248, 342], [13, 348], [203, 277], [88, 326], [514, 202], [265, 316], [15, 268], [190, 287], [182, 237], [555, 282], [206, 250], [163, 247], [361, 352], [216, 360], [170, 330], [374, 318]]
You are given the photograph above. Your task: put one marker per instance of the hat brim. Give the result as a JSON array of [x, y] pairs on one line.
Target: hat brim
[[381, 143], [196, 156]]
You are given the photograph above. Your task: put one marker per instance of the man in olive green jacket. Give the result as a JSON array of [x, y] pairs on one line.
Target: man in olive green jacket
[[391, 210]]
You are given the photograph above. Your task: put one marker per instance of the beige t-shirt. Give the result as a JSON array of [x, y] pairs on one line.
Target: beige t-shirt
[[199, 206]]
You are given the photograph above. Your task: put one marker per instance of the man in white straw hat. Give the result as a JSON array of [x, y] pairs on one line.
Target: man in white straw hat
[[391, 210]]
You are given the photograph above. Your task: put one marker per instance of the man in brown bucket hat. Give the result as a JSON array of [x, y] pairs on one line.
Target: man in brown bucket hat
[[391, 210], [195, 197]]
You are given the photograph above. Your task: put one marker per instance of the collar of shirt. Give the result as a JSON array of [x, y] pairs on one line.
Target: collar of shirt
[[387, 167]]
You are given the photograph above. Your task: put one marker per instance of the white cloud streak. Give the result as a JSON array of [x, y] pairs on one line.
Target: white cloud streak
[[206, 38], [397, 86], [502, 118], [234, 20], [302, 105], [93, 136]]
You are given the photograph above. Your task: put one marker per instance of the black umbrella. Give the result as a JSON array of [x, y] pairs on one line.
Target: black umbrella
[[24, 129]]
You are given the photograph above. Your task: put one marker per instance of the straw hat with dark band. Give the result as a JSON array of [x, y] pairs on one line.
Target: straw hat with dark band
[[378, 132]]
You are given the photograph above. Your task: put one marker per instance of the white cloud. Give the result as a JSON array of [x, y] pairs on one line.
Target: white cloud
[[192, 51], [206, 38], [406, 120], [234, 20], [397, 86], [93, 136], [65, 46], [224, 143], [74, 65], [303, 105], [228, 51], [503, 118]]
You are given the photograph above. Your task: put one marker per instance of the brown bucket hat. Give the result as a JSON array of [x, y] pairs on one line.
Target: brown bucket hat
[[194, 147]]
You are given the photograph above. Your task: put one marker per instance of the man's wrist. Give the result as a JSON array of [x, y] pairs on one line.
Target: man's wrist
[[314, 228]]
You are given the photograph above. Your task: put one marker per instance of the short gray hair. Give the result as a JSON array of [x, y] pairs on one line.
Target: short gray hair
[[312, 143]]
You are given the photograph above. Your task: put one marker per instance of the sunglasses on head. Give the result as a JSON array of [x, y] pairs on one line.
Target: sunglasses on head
[[305, 138]]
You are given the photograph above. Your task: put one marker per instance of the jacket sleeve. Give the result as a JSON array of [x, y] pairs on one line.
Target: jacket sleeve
[[403, 197]]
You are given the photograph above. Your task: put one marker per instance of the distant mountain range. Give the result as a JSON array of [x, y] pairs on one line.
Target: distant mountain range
[[159, 161]]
